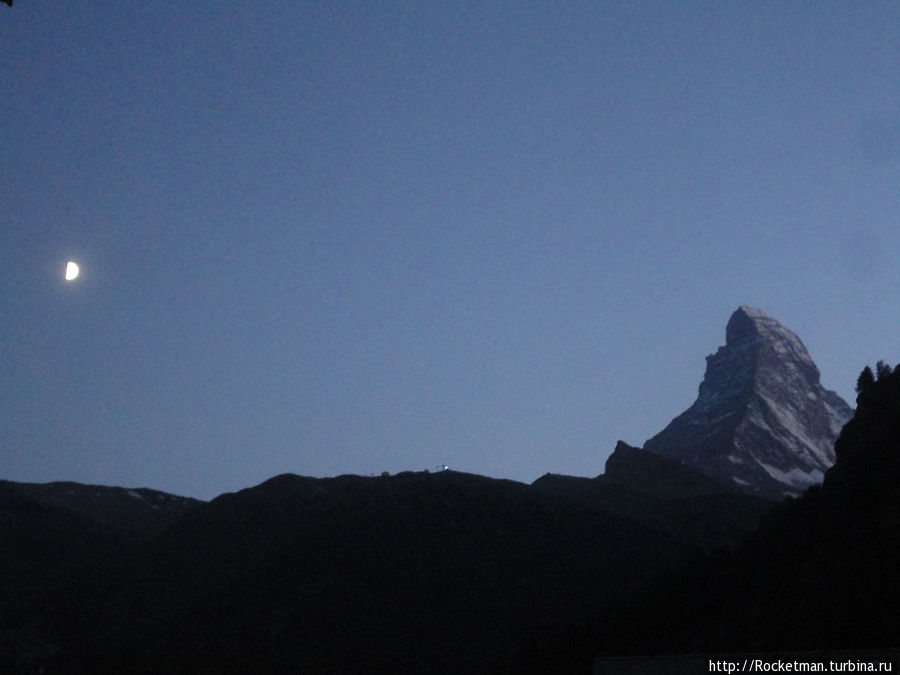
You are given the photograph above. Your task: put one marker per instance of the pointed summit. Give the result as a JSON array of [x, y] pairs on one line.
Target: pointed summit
[[762, 421]]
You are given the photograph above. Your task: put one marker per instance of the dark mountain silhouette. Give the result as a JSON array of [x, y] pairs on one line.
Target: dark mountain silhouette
[[762, 421], [442, 572], [418, 572], [438, 572], [63, 548], [48, 556]]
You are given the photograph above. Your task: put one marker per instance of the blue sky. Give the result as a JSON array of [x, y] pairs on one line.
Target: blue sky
[[329, 238]]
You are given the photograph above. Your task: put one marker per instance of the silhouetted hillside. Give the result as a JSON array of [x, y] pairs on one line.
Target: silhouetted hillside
[[50, 560], [443, 572], [64, 549], [418, 572]]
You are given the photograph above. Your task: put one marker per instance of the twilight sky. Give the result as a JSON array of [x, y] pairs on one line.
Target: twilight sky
[[349, 237]]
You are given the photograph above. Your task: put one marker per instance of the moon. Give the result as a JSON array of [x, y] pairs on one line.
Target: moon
[[71, 271]]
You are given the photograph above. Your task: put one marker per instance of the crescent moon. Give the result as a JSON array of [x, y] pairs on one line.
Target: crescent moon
[[71, 271]]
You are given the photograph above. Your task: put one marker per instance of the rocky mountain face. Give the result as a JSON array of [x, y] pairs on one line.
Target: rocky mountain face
[[762, 421]]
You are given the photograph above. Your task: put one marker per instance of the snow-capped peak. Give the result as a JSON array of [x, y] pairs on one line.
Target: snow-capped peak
[[762, 418]]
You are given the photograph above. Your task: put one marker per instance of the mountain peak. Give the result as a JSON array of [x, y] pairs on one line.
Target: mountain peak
[[748, 323], [762, 420], [751, 325]]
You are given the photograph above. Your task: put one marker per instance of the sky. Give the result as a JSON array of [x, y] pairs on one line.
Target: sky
[[326, 238]]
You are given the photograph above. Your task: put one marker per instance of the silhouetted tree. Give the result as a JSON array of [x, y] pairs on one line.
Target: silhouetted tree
[[866, 381], [882, 370]]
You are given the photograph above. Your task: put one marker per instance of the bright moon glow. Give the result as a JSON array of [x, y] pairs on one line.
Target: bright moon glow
[[71, 271]]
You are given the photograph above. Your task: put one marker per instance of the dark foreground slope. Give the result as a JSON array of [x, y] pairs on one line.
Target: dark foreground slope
[[822, 573], [47, 556], [443, 572], [64, 547]]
